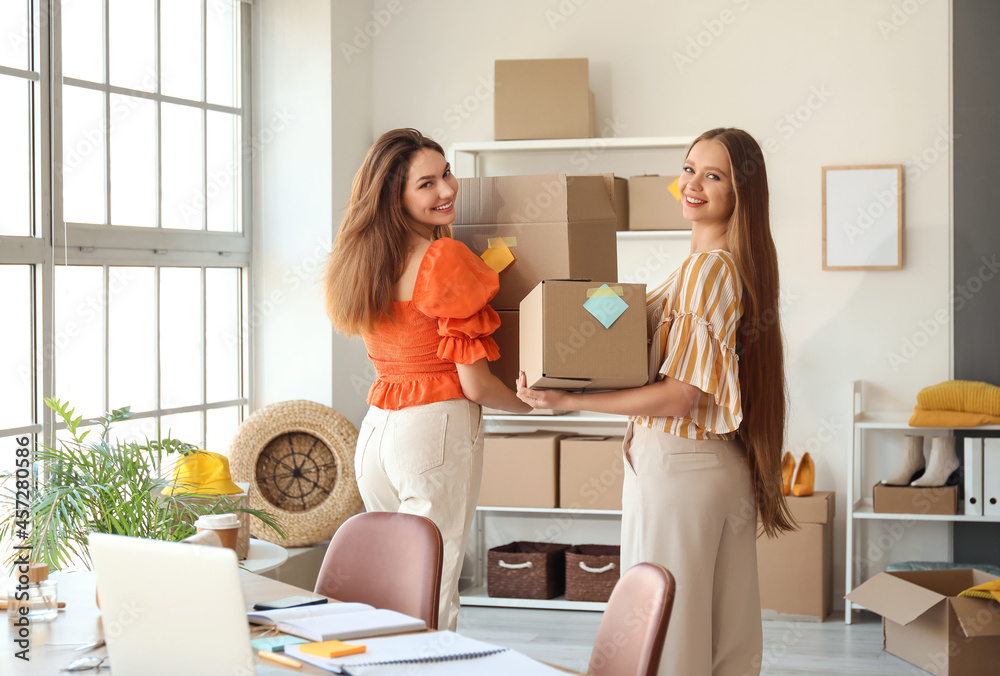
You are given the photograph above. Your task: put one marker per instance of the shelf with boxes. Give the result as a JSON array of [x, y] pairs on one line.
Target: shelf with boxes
[[551, 486], [860, 504]]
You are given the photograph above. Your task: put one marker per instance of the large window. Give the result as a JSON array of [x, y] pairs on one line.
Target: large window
[[124, 262]]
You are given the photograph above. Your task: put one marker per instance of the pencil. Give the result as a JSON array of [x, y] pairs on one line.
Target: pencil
[[280, 659]]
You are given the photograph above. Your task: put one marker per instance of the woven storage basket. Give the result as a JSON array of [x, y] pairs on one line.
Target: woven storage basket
[[299, 459], [526, 570], [592, 572]]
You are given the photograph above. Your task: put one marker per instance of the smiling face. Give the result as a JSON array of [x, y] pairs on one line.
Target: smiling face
[[429, 195], [706, 184]]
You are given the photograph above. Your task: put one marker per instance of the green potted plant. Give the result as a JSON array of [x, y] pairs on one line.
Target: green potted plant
[[82, 486]]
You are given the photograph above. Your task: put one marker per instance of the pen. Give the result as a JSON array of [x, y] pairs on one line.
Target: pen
[[280, 659]]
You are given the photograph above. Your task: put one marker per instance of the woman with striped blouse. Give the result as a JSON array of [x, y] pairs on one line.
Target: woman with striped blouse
[[703, 444]]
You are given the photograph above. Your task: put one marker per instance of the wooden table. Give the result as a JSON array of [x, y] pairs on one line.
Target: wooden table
[[52, 644]]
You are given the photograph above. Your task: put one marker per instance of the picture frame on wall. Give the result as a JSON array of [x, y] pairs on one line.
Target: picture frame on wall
[[863, 217]]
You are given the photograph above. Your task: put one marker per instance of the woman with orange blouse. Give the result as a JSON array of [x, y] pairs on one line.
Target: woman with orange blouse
[[703, 445], [419, 299]]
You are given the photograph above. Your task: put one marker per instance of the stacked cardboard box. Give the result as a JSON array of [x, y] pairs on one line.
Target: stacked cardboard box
[[521, 470], [591, 472], [795, 569], [542, 99], [655, 204]]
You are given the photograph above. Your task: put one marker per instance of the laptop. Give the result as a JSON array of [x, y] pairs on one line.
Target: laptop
[[172, 608]]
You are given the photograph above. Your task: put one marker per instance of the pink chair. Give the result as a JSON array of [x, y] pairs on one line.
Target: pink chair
[[630, 638], [387, 560]]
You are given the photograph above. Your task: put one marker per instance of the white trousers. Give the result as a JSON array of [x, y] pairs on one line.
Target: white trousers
[[426, 460], [688, 505]]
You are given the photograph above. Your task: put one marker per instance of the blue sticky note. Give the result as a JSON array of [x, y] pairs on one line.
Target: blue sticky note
[[606, 308]]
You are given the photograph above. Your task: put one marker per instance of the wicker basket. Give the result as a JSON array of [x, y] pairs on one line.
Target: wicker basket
[[526, 570], [592, 572]]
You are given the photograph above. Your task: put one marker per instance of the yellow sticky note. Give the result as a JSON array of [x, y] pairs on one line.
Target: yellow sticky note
[[674, 188], [604, 290], [498, 256], [332, 648]]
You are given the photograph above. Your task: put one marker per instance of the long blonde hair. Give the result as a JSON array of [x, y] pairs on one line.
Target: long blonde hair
[[370, 252], [759, 343]]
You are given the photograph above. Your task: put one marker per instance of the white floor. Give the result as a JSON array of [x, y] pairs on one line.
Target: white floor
[[564, 638]]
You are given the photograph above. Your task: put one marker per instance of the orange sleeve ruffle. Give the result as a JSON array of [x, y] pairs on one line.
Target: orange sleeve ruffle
[[455, 287]]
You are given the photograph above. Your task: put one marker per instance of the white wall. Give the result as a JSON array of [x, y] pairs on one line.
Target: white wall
[[303, 175], [850, 82]]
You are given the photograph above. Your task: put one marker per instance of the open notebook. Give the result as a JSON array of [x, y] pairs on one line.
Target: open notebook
[[440, 653]]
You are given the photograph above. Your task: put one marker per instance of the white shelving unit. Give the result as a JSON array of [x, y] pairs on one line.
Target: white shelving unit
[[861, 508], [588, 423], [474, 149]]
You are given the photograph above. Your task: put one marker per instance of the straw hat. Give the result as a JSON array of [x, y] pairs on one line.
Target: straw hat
[[298, 456], [202, 473]]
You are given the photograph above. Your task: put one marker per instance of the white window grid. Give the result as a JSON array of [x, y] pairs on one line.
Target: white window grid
[[50, 245]]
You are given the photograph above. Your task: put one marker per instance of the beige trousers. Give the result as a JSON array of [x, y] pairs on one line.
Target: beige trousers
[[688, 505], [426, 460]]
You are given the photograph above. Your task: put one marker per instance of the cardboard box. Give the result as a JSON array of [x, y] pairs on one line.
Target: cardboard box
[[618, 191], [652, 206], [556, 226], [926, 623], [507, 366], [591, 472], [542, 99], [521, 470], [795, 570], [564, 346], [914, 500]]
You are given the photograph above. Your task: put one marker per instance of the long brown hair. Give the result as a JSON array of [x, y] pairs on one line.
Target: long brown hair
[[759, 344], [370, 253]]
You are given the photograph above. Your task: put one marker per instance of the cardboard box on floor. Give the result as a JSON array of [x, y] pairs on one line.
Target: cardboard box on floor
[[556, 227], [507, 366], [926, 623], [542, 99], [795, 569], [652, 205], [591, 472], [564, 346], [915, 500], [521, 470]]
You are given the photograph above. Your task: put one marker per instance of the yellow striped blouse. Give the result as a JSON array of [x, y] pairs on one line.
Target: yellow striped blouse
[[693, 319]]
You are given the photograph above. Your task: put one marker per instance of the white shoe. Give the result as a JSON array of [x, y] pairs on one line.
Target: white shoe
[[944, 461], [911, 462]]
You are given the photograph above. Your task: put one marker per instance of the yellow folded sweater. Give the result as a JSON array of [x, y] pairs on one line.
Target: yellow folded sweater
[[961, 395]]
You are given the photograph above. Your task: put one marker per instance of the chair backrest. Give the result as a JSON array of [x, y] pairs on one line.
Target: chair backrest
[[630, 638], [387, 560]]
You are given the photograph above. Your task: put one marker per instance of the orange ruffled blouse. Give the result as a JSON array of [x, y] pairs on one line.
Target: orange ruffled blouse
[[447, 322]]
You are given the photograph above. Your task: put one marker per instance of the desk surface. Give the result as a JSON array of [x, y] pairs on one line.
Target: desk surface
[[52, 645]]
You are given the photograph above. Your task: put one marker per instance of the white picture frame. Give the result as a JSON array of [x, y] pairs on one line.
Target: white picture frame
[[863, 217]]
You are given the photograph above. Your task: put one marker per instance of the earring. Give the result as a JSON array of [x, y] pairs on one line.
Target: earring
[[911, 462], [944, 461]]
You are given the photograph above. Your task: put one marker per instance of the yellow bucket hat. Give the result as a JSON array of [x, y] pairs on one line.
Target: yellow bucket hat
[[203, 473]]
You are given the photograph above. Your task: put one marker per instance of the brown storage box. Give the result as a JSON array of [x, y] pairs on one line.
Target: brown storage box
[[526, 570], [592, 572], [521, 470], [507, 366], [563, 346], [618, 191], [795, 569], [915, 500], [591, 472], [557, 227], [652, 206], [542, 99], [926, 623]]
